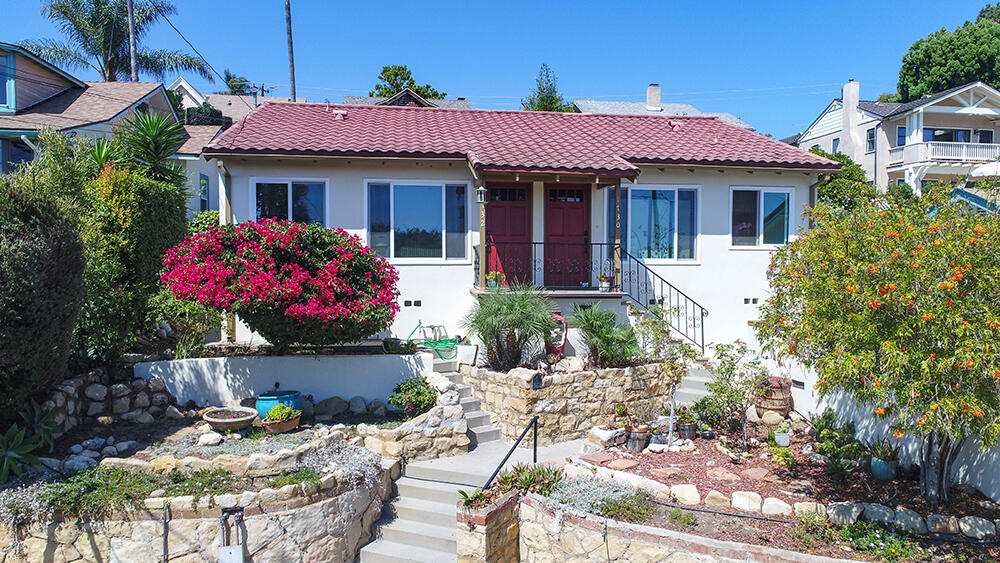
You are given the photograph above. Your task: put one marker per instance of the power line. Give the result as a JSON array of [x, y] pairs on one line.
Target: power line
[[209, 65]]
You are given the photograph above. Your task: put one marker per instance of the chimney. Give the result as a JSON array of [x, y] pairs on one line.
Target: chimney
[[653, 98], [850, 136]]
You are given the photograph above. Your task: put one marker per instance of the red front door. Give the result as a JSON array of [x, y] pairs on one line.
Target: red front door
[[567, 235], [508, 231]]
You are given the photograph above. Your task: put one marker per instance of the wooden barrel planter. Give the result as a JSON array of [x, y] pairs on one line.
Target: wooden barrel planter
[[777, 397], [637, 438]]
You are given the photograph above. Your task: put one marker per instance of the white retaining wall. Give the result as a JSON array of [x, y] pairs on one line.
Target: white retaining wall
[[213, 381]]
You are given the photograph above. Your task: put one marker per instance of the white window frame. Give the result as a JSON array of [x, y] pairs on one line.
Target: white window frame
[[696, 188], [789, 236], [835, 145], [254, 180], [898, 127], [874, 133], [393, 182], [206, 197]]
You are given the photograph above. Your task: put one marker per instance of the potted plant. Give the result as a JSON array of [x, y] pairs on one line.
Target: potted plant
[[656, 436], [637, 431], [706, 432], [605, 282], [281, 418], [687, 425], [885, 459], [494, 280], [783, 434]]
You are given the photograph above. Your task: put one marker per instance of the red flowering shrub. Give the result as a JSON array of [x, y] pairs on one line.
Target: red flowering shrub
[[290, 282]]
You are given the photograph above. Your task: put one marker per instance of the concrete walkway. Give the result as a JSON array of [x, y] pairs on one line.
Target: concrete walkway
[[476, 466]]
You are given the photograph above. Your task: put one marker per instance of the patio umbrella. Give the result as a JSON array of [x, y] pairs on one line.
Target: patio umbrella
[[988, 170]]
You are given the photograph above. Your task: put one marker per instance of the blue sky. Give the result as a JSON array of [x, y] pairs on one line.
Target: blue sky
[[774, 64]]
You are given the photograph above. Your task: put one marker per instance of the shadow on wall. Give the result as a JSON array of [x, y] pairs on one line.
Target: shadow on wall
[[214, 381], [972, 466]]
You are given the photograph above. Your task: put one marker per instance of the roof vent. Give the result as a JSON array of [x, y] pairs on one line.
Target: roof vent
[[338, 114], [674, 125]]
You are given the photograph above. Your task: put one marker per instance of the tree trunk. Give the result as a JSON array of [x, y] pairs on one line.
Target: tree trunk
[[937, 454]]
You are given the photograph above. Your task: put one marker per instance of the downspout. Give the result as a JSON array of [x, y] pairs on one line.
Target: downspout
[[226, 218], [34, 149]]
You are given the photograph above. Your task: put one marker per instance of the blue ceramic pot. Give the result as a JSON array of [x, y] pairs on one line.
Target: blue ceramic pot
[[884, 470], [270, 399]]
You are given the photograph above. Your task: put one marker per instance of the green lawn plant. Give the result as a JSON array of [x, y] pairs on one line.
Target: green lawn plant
[[881, 541], [508, 322], [305, 474], [897, 304]]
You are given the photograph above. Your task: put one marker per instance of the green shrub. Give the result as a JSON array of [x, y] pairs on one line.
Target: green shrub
[[508, 322], [189, 320], [782, 456], [611, 344], [16, 447], [200, 483], [833, 440], [39, 422], [634, 508], [302, 475], [880, 540], [132, 222], [41, 267], [414, 396], [738, 383], [203, 222], [683, 518], [281, 411], [99, 490]]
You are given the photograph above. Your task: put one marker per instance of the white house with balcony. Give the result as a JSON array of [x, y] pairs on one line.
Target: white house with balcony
[[938, 138]]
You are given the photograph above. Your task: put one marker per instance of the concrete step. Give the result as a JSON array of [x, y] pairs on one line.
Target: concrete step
[[464, 390], [695, 382], [455, 476], [470, 404], [484, 434], [476, 419], [427, 488], [688, 395], [383, 551], [419, 510], [453, 376], [416, 533], [442, 366]]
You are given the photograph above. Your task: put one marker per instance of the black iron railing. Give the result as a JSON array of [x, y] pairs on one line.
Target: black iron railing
[[534, 450], [555, 265], [648, 290]]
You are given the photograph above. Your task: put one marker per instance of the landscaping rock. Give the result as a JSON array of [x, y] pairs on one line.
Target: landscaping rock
[[977, 528], [686, 494], [819, 459], [717, 499], [268, 495], [119, 390], [774, 506], [96, 392], [940, 524], [357, 405], [247, 498], [164, 464], [92, 444], [809, 507], [173, 414], [755, 473], [210, 439], [120, 405], [146, 418], [720, 474], [910, 520], [51, 463], [772, 418], [131, 415], [376, 408], [226, 501], [95, 408], [746, 501], [843, 513], [308, 409], [666, 472], [109, 451], [570, 365], [878, 513], [161, 399], [128, 446], [75, 449], [598, 458], [140, 401], [126, 462], [752, 414], [287, 492], [156, 384], [622, 464]]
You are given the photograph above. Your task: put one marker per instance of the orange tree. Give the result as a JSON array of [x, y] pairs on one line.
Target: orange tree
[[898, 304]]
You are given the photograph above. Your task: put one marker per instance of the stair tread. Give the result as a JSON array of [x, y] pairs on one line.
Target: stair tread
[[425, 505], [421, 528], [406, 552], [440, 486]]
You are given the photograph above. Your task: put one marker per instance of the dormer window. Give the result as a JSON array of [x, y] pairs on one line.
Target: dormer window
[[7, 81]]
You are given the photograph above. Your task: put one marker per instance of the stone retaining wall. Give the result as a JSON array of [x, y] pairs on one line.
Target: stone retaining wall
[[490, 534], [329, 522], [568, 404], [92, 395]]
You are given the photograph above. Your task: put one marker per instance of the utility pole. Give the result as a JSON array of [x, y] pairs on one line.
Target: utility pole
[[291, 54], [131, 41]]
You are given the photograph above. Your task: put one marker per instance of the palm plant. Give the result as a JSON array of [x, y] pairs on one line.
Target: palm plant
[[97, 38], [149, 140], [611, 344], [235, 85], [508, 322]]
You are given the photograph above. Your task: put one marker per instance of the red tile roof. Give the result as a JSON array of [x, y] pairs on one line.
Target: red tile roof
[[522, 141]]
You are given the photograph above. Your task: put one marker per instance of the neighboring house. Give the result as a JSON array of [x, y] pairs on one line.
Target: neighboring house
[[702, 203], [232, 106], [203, 176], [406, 97], [652, 106], [938, 138], [35, 95]]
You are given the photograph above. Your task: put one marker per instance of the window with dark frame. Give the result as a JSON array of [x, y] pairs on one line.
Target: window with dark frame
[[302, 202], [900, 135], [760, 217], [420, 220]]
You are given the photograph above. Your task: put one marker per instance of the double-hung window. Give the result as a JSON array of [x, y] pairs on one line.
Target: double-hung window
[[870, 140], [836, 145], [302, 201], [761, 216], [658, 222], [900, 135], [418, 219], [7, 81], [203, 191]]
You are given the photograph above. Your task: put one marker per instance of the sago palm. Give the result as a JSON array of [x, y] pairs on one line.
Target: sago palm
[[508, 322], [97, 38]]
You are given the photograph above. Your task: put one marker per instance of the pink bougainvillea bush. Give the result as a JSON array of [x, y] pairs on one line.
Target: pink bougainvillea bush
[[293, 283]]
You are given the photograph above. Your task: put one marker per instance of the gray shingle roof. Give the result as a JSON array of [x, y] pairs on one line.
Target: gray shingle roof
[[639, 108], [76, 107], [887, 109], [376, 100]]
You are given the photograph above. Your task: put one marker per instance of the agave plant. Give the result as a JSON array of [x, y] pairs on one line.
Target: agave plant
[[105, 152], [149, 140], [39, 421], [15, 451]]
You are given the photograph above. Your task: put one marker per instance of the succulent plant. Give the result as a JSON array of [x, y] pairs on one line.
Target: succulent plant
[[15, 451]]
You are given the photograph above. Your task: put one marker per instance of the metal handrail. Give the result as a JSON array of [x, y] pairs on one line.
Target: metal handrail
[[534, 453], [663, 292]]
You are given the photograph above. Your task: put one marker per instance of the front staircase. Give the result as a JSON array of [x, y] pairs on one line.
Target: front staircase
[[418, 524]]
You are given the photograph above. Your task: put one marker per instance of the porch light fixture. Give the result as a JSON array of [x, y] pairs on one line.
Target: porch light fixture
[[481, 195]]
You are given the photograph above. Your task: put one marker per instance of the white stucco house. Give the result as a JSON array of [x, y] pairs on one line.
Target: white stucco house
[[677, 211], [937, 138]]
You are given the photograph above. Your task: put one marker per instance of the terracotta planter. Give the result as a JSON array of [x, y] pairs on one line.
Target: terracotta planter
[[279, 426]]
